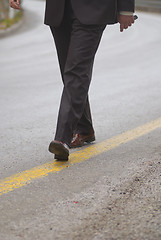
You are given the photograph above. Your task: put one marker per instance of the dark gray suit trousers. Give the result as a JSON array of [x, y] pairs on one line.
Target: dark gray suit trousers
[[76, 46]]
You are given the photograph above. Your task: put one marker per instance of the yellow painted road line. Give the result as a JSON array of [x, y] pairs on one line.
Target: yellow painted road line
[[21, 179]]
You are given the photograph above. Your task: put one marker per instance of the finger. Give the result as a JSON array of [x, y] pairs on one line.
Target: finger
[[129, 24], [126, 26], [121, 27], [18, 2], [131, 20]]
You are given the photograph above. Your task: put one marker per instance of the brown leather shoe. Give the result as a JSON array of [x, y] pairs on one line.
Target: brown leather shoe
[[60, 149], [79, 140]]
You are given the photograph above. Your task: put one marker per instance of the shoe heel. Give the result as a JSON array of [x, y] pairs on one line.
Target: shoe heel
[[92, 139], [60, 150], [60, 158]]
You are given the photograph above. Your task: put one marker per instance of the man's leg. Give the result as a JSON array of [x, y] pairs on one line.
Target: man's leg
[[77, 76], [85, 125], [62, 36]]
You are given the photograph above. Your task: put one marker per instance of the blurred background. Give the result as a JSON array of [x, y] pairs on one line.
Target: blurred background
[[149, 5], [8, 15]]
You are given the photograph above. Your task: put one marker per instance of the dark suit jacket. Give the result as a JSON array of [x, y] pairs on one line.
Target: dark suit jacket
[[87, 11]]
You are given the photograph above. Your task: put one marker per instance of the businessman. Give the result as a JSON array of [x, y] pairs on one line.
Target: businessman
[[77, 27]]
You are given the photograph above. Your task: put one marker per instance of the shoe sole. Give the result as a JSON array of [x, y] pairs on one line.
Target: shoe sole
[[61, 153], [88, 140]]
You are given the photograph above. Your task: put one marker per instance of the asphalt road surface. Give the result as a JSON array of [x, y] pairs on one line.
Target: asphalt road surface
[[112, 195]]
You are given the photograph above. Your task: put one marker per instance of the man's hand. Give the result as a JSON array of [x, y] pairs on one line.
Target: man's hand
[[125, 21], [15, 4]]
